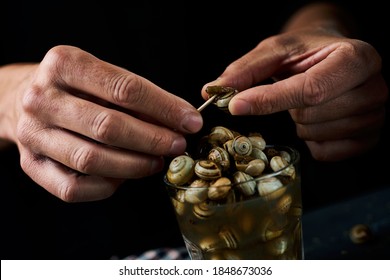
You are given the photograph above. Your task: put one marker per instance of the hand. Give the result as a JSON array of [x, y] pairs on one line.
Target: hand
[[83, 125], [331, 85]]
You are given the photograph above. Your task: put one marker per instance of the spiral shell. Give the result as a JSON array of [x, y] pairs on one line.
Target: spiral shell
[[269, 229], [222, 101], [277, 163], [181, 170], [204, 209], [224, 95], [179, 207], [219, 188], [220, 156], [197, 191], [284, 204], [277, 246], [259, 154], [207, 170], [219, 135], [229, 237], [257, 141], [270, 187], [244, 182], [254, 167], [242, 146]]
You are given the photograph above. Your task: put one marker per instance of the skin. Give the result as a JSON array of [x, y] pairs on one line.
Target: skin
[[64, 113], [331, 85], [66, 116]]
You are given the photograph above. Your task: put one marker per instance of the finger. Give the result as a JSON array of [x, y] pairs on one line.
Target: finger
[[341, 149], [66, 184], [370, 96], [356, 126], [103, 124], [89, 157], [324, 78], [254, 67], [121, 87]]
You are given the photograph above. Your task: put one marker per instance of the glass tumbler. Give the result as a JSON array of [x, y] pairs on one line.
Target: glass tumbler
[[243, 217]]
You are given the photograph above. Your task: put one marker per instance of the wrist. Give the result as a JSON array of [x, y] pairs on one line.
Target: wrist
[[14, 78]]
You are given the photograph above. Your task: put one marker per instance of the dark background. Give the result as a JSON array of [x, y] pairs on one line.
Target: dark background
[[179, 47]]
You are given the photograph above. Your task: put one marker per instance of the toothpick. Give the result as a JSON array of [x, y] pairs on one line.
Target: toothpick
[[208, 101]]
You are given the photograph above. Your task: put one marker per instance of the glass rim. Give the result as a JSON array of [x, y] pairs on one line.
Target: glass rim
[[295, 157]]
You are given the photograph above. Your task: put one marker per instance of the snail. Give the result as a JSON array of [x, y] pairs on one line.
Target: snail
[[220, 156], [222, 95], [219, 188], [207, 169], [241, 146], [197, 191], [181, 170], [220, 134], [215, 205], [244, 182]]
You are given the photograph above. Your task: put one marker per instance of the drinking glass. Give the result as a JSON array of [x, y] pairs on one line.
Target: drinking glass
[[258, 218]]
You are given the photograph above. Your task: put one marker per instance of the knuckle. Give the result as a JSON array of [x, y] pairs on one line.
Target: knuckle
[[32, 99], [69, 192], [314, 90], [84, 159], [127, 90], [102, 126], [158, 142], [55, 58], [23, 131], [29, 133]]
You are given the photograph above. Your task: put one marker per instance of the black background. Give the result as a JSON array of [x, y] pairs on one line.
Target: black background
[[179, 47]]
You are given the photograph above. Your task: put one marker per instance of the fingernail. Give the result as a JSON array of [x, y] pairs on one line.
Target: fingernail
[[178, 146], [192, 122], [239, 107]]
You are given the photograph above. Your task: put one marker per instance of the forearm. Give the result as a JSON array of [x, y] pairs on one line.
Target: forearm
[[322, 14], [13, 79]]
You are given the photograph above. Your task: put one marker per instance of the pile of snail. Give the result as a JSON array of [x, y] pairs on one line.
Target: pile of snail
[[230, 167], [231, 161]]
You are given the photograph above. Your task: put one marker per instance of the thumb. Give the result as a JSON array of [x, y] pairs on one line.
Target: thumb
[[253, 68], [270, 98]]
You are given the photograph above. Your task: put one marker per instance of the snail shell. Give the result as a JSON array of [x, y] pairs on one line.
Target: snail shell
[[244, 182], [270, 187], [220, 156], [197, 191], [269, 229], [222, 101], [259, 154], [284, 204], [285, 155], [219, 90], [254, 167], [242, 146], [179, 207], [228, 146], [277, 246], [180, 195], [204, 209], [224, 95], [277, 163], [181, 170], [219, 188], [229, 237], [257, 141], [207, 170], [209, 243], [219, 135]]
